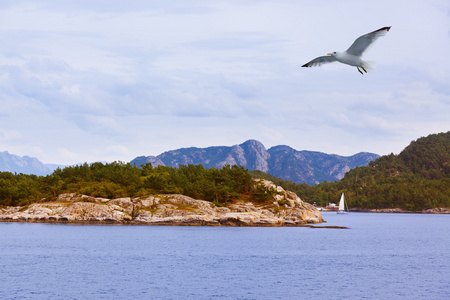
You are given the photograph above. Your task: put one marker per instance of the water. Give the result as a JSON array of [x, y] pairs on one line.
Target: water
[[382, 256]]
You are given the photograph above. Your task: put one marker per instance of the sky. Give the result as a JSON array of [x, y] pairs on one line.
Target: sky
[[85, 81]]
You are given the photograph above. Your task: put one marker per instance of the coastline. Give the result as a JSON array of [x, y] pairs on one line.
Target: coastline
[[131, 223], [285, 209], [437, 210]]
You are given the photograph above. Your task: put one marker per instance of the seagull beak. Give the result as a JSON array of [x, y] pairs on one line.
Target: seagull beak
[[329, 54]]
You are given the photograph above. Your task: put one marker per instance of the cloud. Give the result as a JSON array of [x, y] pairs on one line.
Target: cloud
[[6, 134], [117, 150], [154, 76]]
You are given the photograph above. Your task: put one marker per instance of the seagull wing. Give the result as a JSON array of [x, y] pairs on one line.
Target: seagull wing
[[316, 62], [363, 42]]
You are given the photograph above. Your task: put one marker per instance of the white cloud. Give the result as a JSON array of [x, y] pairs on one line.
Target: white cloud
[[117, 150], [6, 135], [90, 77]]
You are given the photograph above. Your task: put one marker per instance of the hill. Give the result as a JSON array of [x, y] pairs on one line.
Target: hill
[[416, 179], [281, 161]]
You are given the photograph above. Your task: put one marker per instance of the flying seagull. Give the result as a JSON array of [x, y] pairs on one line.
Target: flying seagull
[[352, 56]]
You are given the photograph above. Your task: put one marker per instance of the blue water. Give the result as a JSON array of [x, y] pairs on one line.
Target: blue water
[[381, 256]]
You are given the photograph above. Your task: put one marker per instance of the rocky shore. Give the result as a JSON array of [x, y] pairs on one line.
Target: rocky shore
[[286, 209], [437, 210]]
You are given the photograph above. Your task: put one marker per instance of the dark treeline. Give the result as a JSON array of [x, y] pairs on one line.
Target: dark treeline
[[124, 180], [416, 179]]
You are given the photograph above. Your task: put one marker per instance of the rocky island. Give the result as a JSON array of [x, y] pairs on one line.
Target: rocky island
[[286, 209]]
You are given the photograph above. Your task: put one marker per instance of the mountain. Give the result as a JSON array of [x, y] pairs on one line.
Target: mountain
[[24, 164], [313, 167], [281, 161]]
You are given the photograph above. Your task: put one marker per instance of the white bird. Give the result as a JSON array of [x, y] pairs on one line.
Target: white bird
[[352, 56]]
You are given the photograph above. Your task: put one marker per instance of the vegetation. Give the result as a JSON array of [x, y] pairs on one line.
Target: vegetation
[[416, 179], [124, 180]]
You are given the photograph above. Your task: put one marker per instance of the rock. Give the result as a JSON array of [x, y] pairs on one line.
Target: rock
[[169, 210], [267, 221], [122, 204], [73, 197], [181, 200], [70, 197], [148, 202], [222, 210], [179, 220], [240, 219], [243, 207], [437, 210]]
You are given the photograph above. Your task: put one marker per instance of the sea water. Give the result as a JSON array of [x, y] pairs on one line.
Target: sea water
[[380, 256]]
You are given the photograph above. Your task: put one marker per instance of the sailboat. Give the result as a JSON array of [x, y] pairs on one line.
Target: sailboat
[[342, 206]]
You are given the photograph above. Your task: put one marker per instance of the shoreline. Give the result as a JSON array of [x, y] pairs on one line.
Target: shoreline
[[285, 209], [436, 211], [135, 223]]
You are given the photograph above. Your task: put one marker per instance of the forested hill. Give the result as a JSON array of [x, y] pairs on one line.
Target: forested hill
[[416, 179], [428, 157]]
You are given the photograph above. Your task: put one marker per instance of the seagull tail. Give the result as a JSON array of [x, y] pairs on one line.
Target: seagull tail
[[369, 65]]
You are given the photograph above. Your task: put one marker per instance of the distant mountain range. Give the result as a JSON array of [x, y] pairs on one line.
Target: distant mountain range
[[281, 161], [24, 164]]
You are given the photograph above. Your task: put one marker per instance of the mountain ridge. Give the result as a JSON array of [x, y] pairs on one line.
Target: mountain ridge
[[282, 161], [24, 164]]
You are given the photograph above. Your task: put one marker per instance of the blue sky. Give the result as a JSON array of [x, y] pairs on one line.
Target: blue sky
[[112, 80]]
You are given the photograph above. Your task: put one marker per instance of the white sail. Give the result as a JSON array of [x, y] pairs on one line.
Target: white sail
[[342, 205]]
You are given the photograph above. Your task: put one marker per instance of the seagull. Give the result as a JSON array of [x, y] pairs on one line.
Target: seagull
[[352, 56]]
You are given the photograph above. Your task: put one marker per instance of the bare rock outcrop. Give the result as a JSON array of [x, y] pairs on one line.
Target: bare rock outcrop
[[287, 209]]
